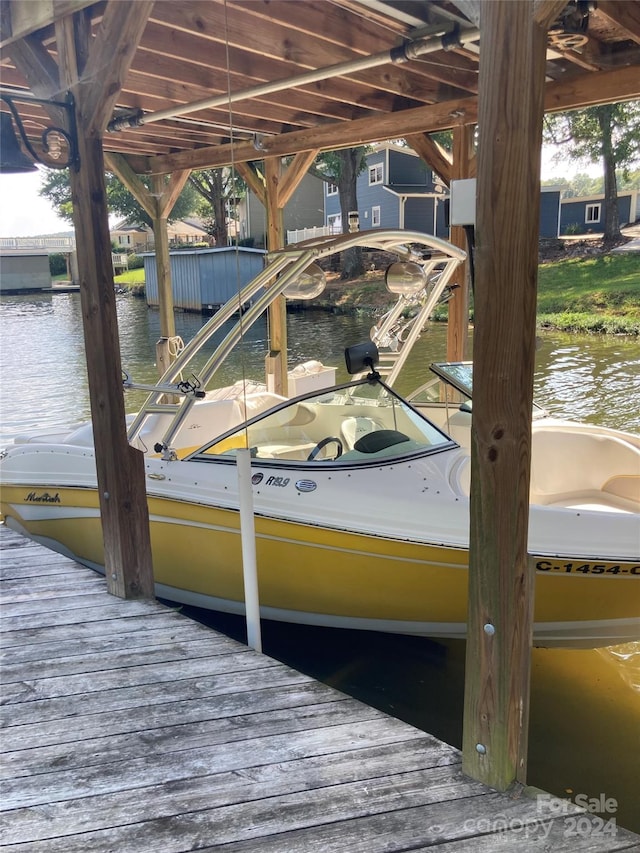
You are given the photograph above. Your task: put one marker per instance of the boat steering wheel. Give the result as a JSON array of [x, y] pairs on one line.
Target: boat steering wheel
[[323, 443]]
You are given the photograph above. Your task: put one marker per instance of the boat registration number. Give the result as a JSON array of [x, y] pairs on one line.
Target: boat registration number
[[587, 568]]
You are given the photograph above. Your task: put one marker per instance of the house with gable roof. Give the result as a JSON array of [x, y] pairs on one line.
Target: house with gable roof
[[397, 189]]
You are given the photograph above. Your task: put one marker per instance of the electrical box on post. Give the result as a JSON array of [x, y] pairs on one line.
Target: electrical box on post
[[462, 208]]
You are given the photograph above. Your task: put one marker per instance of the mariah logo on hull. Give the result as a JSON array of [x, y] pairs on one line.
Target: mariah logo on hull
[[45, 498]]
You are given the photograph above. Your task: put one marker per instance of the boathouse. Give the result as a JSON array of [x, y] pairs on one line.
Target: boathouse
[[203, 279], [24, 273], [155, 90]]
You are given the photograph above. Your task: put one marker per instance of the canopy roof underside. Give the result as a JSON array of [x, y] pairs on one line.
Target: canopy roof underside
[[205, 49]]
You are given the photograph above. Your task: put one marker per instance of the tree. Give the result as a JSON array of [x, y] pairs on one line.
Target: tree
[[218, 188], [55, 186], [342, 169], [609, 133]]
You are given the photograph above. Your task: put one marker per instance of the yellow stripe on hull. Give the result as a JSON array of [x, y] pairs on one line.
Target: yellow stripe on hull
[[318, 570]]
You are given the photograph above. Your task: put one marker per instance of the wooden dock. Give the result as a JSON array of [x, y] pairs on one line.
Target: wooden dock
[[127, 727]]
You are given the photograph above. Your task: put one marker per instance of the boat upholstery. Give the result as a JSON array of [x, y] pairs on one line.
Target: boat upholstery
[[575, 469], [579, 468], [355, 427]]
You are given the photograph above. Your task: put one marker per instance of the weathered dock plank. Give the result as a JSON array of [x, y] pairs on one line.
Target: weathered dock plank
[[127, 727]]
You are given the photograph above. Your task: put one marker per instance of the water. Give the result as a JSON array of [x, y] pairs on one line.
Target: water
[[589, 378], [585, 705]]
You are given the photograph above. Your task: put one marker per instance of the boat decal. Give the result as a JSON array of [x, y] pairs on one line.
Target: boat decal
[[40, 512], [578, 567], [279, 482], [257, 478], [44, 498], [306, 485]]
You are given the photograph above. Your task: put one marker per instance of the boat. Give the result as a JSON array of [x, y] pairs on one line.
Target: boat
[[360, 495]]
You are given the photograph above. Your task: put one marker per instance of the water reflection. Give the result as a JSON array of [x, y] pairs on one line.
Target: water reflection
[[625, 660], [590, 378], [584, 704]]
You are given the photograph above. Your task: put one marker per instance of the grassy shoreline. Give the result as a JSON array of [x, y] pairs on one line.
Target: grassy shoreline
[[593, 294]]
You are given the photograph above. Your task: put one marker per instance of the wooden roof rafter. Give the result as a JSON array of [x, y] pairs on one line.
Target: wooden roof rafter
[[191, 50]]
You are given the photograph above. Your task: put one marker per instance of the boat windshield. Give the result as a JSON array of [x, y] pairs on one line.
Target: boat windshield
[[357, 423], [453, 382]]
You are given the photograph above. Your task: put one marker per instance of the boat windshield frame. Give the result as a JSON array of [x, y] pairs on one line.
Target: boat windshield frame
[[370, 430], [175, 395], [459, 376]]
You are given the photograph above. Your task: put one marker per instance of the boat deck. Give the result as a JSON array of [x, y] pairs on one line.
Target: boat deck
[[128, 727]]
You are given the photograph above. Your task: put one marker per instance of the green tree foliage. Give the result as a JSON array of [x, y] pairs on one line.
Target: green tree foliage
[[607, 133], [55, 186], [219, 190], [583, 185], [57, 264], [342, 169]]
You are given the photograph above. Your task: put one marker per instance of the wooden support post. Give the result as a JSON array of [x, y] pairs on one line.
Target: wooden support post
[[501, 581], [165, 290], [119, 467], [165, 295], [458, 325], [274, 191], [277, 358], [158, 205]]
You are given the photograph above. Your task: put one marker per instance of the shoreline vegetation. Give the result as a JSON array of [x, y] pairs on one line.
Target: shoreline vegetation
[[582, 287]]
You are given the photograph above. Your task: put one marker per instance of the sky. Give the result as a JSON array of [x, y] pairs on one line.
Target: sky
[[23, 213]]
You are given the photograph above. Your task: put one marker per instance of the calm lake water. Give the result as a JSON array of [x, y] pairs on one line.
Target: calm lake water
[[585, 705]]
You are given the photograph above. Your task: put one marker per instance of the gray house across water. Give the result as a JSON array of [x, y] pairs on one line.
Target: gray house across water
[[396, 190]]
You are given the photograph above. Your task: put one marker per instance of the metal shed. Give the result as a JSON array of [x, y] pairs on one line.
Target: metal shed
[[22, 272], [204, 279]]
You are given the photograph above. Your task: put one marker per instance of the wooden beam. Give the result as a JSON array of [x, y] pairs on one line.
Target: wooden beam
[[622, 14], [118, 164], [434, 155], [253, 180], [295, 172], [606, 87], [115, 46], [303, 47], [326, 137], [587, 90], [171, 191], [40, 71], [276, 362], [21, 19], [163, 267], [463, 165], [36, 65], [158, 204], [501, 580], [119, 467], [546, 11]]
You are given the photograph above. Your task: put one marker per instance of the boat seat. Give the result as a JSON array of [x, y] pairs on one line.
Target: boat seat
[[575, 469], [286, 450], [458, 426], [353, 428], [571, 467]]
